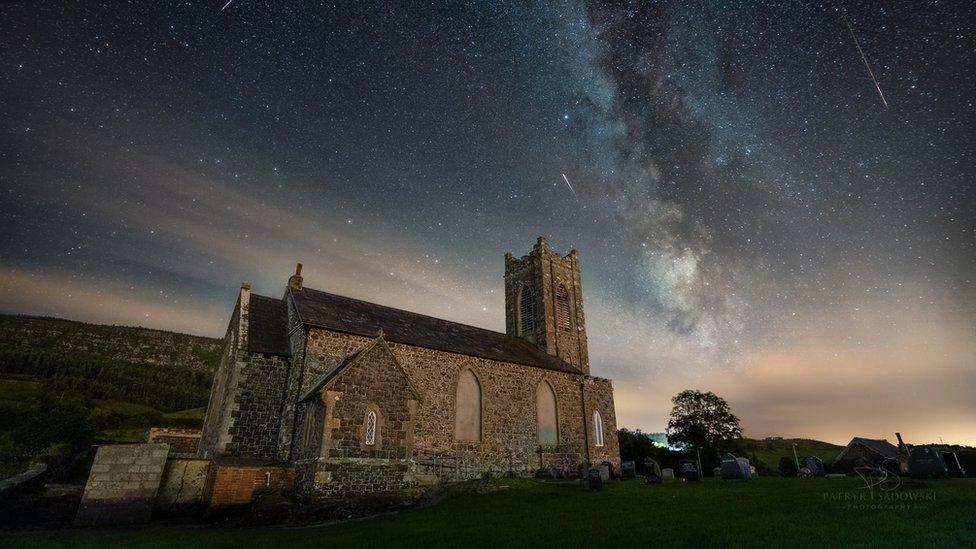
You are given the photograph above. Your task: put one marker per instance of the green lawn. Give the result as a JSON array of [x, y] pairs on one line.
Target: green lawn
[[770, 512]]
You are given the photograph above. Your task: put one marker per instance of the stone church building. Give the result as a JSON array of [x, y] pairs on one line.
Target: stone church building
[[360, 398]]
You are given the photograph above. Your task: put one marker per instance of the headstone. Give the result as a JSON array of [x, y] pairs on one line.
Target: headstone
[[652, 471], [584, 470], [813, 465], [717, 472], [604, 471], [952, 464], [610, 470], [733, 468], [926, 462], [667, 473], [627, 469], [595, 479], [688, 470]]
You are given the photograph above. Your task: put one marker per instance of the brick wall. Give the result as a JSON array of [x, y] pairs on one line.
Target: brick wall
[[239, 485]]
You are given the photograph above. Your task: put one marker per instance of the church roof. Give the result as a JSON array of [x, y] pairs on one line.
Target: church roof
[[353, 316], [268, 326], [881, 447]]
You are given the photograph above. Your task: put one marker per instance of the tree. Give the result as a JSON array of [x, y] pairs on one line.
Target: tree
[[702, 420]]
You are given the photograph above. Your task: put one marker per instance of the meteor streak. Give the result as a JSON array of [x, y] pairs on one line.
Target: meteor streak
[[225, 5], [863, 57], [569, 185]]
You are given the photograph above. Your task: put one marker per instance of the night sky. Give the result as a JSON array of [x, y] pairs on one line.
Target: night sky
[[751, 219]]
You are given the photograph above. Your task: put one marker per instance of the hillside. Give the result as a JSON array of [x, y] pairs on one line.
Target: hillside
[[124, 343], [768, 452]]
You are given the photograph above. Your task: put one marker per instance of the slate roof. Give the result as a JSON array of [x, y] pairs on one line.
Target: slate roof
[[268, 326], [881, 447], [353, 316]]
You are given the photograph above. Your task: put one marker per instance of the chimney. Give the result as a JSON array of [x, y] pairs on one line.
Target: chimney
[[902, 454], [295, 280], [243, 327]]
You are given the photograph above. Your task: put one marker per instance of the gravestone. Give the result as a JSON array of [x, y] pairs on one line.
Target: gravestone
[[604, 471], [652, 471], [627, 469], [688, 470], [717, 472], [732, 468], [595, 479], [610, 471], [952, 464], [667, 473], [926, 462], [814, 466]]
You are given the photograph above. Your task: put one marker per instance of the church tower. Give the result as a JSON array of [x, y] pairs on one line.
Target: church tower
[[544, 303]]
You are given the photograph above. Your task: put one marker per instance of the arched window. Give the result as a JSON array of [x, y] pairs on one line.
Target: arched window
[[526, 311], [467, 413], [562, 308], [370, 437], [545, 402], [598, 428]]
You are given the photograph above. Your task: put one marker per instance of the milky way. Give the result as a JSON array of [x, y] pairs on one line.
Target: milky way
[[750, 218]]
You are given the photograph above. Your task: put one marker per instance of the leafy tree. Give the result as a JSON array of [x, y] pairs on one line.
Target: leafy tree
[[702, 420]]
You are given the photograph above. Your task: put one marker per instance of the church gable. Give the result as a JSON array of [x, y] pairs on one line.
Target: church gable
[[369, 404]]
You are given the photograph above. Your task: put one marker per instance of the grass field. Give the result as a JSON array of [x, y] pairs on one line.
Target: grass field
[[518, 513]]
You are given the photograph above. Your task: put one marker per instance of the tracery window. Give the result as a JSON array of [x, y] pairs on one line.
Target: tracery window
[[370, 428]]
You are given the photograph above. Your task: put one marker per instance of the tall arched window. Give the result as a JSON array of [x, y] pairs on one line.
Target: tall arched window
[[370, 437], [545, 402], [598, 428], [467, 413], [562, 308], [526, 310]]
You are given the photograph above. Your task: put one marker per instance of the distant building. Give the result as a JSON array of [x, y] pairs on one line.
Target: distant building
[[867, 452], [356, 397]]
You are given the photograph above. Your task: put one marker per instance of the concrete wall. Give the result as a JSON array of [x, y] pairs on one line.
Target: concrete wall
[[184, 484], [123, 483]]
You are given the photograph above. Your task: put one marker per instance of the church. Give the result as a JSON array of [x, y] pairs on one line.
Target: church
[[359, 398]]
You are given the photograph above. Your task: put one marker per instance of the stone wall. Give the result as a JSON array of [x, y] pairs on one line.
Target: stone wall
[[184, 484], [542, 271], [182, 442], [509, 431], [339, 461], [122, 485], [244, 414], [218, 416]]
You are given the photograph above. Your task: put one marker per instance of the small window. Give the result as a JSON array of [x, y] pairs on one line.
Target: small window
[[371, 428], [598, 428], [562, 308], [526, 311]]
